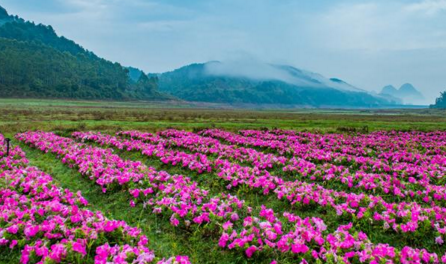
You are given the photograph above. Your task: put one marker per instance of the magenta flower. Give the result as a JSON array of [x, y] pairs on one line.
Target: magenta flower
[[250, 251], [79, 247]]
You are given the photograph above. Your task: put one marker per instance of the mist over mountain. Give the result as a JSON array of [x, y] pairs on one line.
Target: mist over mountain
[[249, 82], [42, 64], [258, 71], [407, 94]]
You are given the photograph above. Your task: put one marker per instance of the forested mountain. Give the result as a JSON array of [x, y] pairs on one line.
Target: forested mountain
[[265, 84], [441, 101], [36, 62]]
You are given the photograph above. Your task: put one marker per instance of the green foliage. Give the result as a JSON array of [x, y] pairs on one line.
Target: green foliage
[[30, 32], [441, 101], [36, 62], [3, 13]]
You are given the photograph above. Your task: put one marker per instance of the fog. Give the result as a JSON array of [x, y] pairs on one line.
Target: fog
[[255, 69]]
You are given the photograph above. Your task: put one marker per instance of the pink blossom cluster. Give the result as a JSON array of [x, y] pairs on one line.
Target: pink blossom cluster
[[195, 161], [403, 217], [48, 224], [385, 182], [240, 226], [401, 171]]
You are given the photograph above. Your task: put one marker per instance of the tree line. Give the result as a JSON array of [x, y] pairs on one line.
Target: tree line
[[36, 62]]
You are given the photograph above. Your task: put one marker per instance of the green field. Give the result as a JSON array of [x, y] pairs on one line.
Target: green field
[[64, 117], [21, 115]]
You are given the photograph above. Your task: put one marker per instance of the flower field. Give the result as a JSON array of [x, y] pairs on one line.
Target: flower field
[[269, 196], [48, 224]]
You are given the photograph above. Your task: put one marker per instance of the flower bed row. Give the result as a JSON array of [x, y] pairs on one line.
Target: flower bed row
[[408, 154], [48, 224], [384, 183], [422, 179], [403, 218], [239, 227]]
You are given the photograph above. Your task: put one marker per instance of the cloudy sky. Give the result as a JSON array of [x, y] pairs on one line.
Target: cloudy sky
[[367, 43]]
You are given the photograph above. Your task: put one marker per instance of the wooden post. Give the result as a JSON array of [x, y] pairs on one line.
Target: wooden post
[[7, 140]]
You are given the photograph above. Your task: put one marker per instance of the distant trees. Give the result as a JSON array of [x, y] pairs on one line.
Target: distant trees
[[3, 13], [35, 62], [440, 102]]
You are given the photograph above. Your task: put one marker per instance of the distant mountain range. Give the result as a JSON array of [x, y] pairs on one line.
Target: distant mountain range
[[260, 83], [35, 62], [406, 94]]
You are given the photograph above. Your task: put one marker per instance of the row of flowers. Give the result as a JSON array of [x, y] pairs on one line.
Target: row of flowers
[[420, 179], [405, 153], [239, 227], [48, 224], [384, 183], [387, 144], [404, 217]]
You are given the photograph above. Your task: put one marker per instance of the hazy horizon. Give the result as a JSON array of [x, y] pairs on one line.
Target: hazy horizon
[[369, 44]]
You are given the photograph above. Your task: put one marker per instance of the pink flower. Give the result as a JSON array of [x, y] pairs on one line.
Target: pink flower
[[31, 230], [182, 259], [12, 229], [13, 244], [174, 221], [250, 251], [79, 247], [58, 252], [110, 226], [223, 240], [299, 248], [439, 240], [227, 225]]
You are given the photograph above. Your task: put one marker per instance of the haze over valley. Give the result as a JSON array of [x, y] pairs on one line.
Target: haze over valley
[[234, 63]]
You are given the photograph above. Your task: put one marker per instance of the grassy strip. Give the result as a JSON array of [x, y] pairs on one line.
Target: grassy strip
[[50, 115]]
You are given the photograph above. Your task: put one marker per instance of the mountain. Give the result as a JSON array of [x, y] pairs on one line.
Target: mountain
[[390, 90], [36, 62], [407, 93], [259, 83], [3, 13], [5, 17]]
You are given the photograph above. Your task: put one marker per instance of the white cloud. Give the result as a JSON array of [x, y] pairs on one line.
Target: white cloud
[[429, 7], [379, 26]]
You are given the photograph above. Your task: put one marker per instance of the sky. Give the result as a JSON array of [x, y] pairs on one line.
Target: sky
[[369, 44]]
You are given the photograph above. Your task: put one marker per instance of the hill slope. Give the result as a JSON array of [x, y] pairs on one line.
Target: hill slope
[[264, 84], [36, 62]]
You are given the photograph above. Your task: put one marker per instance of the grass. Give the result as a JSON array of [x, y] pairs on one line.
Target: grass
[[67, 116], [21, 115]]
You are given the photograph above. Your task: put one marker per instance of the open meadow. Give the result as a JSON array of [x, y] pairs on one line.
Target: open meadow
[[193, 184]]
